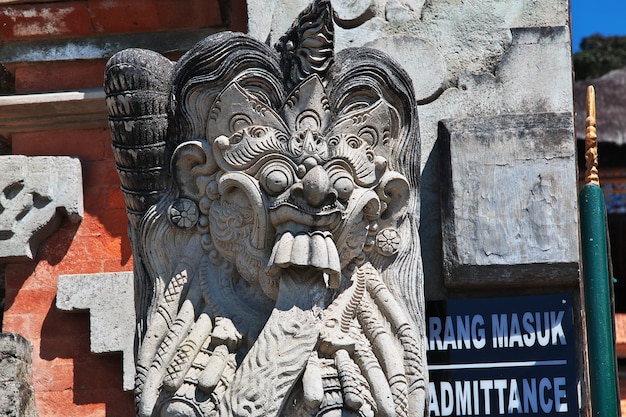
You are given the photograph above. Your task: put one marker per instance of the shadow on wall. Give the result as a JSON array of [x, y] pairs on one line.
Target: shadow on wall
[[50, 253], [92, 379], [66, 375]]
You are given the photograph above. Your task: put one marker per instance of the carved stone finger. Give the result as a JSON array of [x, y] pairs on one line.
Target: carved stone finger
[[386, 350], [379, 386], [406, 335], [312, 387], [226, 338], [186, 352], [349, 385], [210, 376], [165, 354], [160, 322]]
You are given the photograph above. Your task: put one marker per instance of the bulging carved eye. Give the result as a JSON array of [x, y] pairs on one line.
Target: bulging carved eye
[[235, 139], [276, 177], [258, 131], [353, 142], [342, 182], [344, 187], [369, 135]]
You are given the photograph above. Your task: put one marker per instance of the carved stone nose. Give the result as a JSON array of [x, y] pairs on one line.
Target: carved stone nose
[[316, 187], [313, 143], [309, 146]]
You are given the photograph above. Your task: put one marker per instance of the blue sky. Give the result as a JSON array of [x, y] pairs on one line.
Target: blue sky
[[607, 17]]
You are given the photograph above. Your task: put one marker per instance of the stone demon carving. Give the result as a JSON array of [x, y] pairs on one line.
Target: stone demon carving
[[273, 201]]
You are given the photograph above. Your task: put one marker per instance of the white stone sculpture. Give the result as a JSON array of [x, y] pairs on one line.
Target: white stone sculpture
[[273, 204]]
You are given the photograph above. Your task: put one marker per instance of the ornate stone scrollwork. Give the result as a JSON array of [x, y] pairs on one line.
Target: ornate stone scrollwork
[[277, 259]]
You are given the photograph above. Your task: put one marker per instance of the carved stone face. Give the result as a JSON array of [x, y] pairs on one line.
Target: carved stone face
[[277, 256], [314, 182]]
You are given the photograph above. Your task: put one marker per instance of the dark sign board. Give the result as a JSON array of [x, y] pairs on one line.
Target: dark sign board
[[502, 356]]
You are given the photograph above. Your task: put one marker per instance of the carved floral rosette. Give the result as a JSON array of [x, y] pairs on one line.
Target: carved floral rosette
[[273, 203]]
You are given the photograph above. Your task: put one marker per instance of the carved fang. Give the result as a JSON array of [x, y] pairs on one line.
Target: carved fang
[[315, 249]]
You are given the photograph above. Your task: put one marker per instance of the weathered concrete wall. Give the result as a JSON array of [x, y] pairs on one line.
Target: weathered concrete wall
[[476, 58]]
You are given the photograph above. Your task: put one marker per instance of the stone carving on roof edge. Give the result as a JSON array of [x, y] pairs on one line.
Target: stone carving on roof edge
[[273, 200]]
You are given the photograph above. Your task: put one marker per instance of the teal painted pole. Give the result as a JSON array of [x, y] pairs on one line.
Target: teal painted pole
[[597, 283], [599, 312]]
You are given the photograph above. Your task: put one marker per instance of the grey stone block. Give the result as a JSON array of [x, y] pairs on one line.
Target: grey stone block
[[509, 200], [13, 400], [530, 78], [109, 297], [15, 357], [16, 392], [97, 47], [15, 346], [60, 110], [34, 191]]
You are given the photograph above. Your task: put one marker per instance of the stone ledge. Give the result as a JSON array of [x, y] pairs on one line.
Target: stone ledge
[[16, 346], [110, 299], [36, 112]]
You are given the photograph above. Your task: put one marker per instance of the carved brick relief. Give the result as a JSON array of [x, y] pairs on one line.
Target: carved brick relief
[[34, 191], [273, 202]]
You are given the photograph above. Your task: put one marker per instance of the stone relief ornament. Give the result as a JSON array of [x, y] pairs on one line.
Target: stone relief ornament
[[273, 203]]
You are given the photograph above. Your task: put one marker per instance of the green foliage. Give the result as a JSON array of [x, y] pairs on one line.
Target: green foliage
[[599, 55]]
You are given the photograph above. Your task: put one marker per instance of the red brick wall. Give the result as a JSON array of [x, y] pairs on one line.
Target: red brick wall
[[34, 77], [67, 378], [87, 18], [95, 17]]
